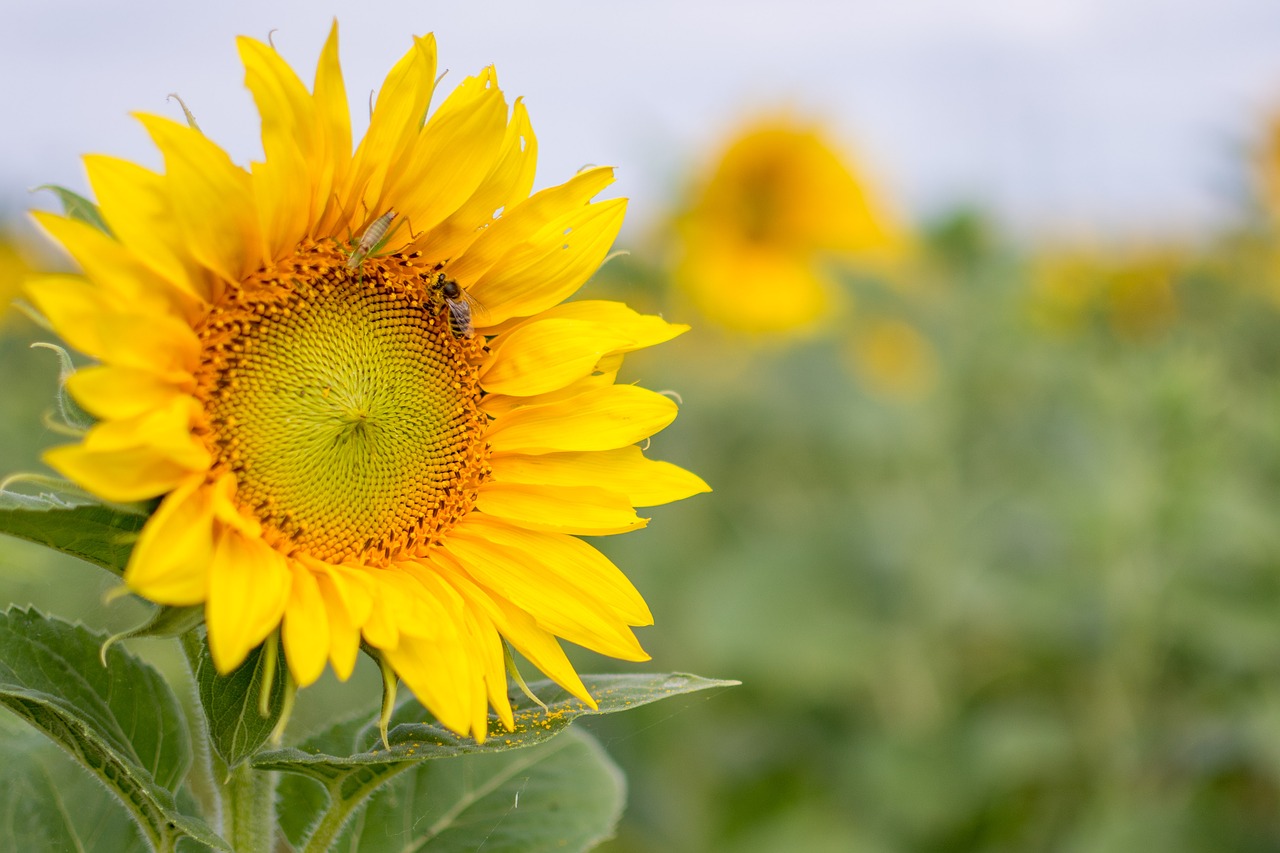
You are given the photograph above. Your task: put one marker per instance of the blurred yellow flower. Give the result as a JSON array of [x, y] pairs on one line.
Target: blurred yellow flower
[[1268, 167], [1130, 288], [780, 203], [893, 359], [13, 269]]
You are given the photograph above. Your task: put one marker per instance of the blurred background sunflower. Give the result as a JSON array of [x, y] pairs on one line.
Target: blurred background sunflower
[[983, 372]]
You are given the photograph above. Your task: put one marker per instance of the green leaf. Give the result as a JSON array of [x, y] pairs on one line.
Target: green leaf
[[48, 803], [71, 520], [121, 722], [354, 744], [236, 728], [350, 763], [76, 206], [557, 797]]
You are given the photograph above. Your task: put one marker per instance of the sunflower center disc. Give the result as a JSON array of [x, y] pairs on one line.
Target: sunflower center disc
[[344, 405]]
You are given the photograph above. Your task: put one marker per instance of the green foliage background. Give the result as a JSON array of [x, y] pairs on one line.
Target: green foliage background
[[1034, 610]]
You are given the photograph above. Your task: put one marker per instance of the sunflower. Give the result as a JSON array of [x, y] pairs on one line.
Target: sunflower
[[13, 269], [1131, 287], [779, 205], [352, 384], [892, 358]]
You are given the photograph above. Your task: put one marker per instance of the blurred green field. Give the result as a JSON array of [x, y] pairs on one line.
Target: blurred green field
[[1034, 608]]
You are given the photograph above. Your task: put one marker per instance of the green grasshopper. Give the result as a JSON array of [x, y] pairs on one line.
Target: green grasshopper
[[372, 239]]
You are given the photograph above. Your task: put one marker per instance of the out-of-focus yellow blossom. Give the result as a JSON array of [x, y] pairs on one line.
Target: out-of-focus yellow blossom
[[892, 359], [1129, 289], [780, 206], [13, 268], [1267, 171], [1268, 167]]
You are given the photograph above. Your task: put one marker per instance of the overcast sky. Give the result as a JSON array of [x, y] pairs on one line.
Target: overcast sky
[[1059, 114]]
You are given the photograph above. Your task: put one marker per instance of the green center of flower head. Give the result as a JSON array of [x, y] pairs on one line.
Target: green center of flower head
[[344, 403]]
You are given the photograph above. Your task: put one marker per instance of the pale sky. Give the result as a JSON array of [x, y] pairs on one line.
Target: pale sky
[[1102, 114]]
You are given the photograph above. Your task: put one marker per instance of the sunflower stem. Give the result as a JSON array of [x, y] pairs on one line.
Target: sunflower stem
[[249, 822], [342, 805], [241, 798], [201, 778], [331, 822]]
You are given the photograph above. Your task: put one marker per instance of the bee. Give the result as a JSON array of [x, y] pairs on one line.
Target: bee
[[461, 305], [371, 239]]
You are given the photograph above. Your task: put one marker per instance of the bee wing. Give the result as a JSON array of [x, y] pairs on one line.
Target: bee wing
[[478, 313], [460, 317]]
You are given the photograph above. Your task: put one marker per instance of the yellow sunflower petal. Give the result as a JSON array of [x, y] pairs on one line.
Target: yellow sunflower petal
[[487, 652], [381, 630], [249, 585], [516, 625], [552, 265], [170, 562], [542, 649], [641, 330], [73, 305], [282, 182], [333, 134], [413, 613], [597, 419], [604, 375], [165, 430], [581, 510], [454, 153], [136, 458], [91, 321], [344, 634], [545, 355], [109, 265], [397, 116], [575, 561], [135, 204], [352, 587], [482, 648], [645, 482], [586, 601], [439, 669], [283, 215], [211, 198], [528, 218], [122, 392], [506, 185], [227, 511], [440, 674], [306, 627], [136, 474]]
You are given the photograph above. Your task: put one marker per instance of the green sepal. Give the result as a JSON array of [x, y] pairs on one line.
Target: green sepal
[[390, 683], [513, 670], [191, 119], [76, 206], [165, 622], [69, 418]]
